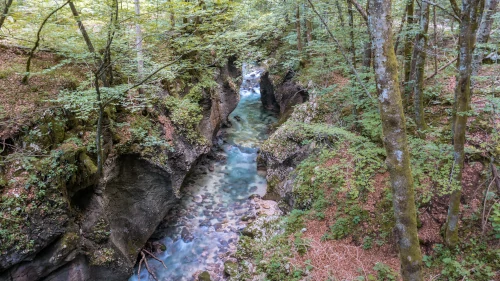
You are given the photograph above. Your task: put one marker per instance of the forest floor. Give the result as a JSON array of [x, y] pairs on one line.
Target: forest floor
[[22, 104]]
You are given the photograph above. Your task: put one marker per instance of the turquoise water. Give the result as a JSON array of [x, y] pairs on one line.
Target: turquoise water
[[216, 198]]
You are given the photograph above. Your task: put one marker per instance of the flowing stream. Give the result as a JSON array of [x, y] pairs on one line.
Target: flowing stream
[[215, 203]]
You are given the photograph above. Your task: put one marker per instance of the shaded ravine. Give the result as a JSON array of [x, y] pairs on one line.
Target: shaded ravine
[[215, 204]]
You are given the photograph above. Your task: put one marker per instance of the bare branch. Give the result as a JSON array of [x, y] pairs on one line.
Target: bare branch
[[454, 15], [37, 42], [441, 68], [360, 9]]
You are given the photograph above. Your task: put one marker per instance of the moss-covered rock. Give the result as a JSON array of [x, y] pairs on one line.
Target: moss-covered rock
[[231, 268], [204, 276], [88, 163]]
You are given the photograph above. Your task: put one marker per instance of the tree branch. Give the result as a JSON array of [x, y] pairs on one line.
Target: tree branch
[[342, 52], [444, 9], [455, 8], [37, 42], [441, 68], [5, 12], [360, 9]]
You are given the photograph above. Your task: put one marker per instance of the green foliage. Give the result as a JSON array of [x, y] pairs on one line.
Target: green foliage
[[495, 219], [42, 194], [367, 242], [294, 221], [385, 272], [474, 261], [186, 116], [340, 229], [431, 165]]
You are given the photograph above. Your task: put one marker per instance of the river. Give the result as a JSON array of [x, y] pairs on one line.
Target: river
[[215, 204]]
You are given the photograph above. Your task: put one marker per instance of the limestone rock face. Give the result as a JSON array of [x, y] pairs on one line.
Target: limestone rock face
[[267, 95], [283, 151], [106, 223], [283, 96]]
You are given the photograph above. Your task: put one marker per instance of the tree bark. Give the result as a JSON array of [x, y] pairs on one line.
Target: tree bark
[[297, 27], [403, 21], [420, 55], [466, 41], [172, 15], [483, 34], [138, 45], [88, 42], [98, 137], [395, 140], [85, 35], [351, 32], [5, 12], [309, 28], [408, 49], [341, 15]]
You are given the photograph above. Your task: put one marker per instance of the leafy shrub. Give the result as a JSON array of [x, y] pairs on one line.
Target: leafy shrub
[[186, 116], [495, 219]]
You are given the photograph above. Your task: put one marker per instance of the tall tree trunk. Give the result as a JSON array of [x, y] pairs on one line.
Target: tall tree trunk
[[420, 55], [138, 45], [5, 12], [297, 27], [434, 22], [341, 15], [403, 22], [172, 15], [466, 41], [483, 34], [408, 48], [87, 40], [309, 28], [85, 35], [351, 31], [367, 48], [98, 137], [395, 141]]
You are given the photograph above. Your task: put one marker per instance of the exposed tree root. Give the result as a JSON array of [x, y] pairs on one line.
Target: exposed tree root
[[144, 260]]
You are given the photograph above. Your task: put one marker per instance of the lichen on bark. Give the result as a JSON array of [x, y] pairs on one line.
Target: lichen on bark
[[395, 141]]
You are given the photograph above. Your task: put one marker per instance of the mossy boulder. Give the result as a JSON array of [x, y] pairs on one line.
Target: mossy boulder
[[204, 276], [231, 268], [88, 163]]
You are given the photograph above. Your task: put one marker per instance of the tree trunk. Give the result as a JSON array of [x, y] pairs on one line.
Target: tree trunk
[[138, 45], [466, 41], [309, 28], [408, 48], [420, 55], [394, 130], [351, 31], [5, 12], [297, 27], [483, 34], [341, 15], [172, 15], [88, 42], [367, 53], [98, 141], [85, 35]]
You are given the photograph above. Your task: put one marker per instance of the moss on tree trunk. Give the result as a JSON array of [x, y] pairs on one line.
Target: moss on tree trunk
[[420, 57], [468, 26], [395, 141]]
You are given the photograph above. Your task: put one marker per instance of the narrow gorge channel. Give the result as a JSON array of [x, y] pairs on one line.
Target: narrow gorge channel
[[218, 198]]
